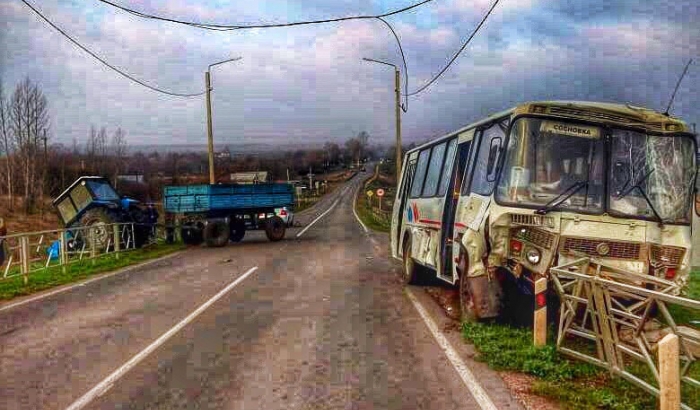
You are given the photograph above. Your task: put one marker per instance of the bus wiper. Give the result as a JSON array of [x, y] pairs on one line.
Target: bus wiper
[[563, 196], [644, 194]]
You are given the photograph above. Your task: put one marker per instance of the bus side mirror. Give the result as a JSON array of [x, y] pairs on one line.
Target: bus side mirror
[[494, 151]]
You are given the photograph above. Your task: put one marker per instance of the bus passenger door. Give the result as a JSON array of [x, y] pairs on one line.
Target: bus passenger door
[[397, 218], [455, 174]]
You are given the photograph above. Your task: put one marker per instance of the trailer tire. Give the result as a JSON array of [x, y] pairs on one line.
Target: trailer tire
[[275, 228], [217, 234], [191, 234], [237, 230]]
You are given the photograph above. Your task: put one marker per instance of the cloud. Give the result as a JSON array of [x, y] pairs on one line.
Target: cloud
[[309, 83]]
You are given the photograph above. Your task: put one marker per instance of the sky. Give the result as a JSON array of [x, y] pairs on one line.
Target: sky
[[308, 84]]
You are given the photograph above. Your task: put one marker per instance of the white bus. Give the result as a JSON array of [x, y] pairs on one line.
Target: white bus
[[492, 206]]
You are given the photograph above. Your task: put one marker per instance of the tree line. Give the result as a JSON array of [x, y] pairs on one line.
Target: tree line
[[33, 169]]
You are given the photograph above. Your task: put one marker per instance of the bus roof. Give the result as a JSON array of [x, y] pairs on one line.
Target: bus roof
[[613, 113]]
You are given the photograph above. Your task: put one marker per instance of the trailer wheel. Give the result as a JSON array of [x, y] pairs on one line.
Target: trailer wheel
[[191, 234], [237, 230], [217, 234], [274, 229]]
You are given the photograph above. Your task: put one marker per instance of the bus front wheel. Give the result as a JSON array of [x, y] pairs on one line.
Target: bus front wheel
[[410, 270]]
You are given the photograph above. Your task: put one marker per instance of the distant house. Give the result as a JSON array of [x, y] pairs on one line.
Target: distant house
[[137, 178], [256, 177]]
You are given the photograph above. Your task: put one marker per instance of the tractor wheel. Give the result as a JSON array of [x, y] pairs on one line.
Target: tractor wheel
[[275, 228], [191, 234], [217, 234], [237, 230], [97, 220]]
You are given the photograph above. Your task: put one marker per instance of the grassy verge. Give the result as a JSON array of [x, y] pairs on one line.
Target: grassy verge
[[574, 384], [685, 316], [369, 217], [55, 276]]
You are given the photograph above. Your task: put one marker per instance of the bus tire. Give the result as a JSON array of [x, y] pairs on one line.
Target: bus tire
[[274, 229], [410, 270], [216, 234]]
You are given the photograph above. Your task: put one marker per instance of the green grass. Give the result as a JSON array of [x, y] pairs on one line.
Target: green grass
[[684, 316], [574, 384], [364, 210], [55, 276]]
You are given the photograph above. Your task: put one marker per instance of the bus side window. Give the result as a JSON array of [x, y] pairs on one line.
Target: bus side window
[[419, 176], [487, 159]]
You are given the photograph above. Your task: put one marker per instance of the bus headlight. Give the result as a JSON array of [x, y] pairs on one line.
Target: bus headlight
[[533, 256]]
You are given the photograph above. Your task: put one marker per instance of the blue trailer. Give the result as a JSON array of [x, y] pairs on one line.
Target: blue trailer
[[217, 214]]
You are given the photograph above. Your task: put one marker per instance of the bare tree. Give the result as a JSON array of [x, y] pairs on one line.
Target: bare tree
[[118, 148], [29, 120], [7, 143]]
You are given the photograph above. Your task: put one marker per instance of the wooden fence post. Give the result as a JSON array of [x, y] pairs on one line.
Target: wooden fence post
[[63, 257], [24, 256], [669, 373], [117, 240], [540, 323]]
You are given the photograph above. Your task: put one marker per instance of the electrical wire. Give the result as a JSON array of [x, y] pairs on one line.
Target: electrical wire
[[98, 58], [476, 30], [404, 106], [228, 27]]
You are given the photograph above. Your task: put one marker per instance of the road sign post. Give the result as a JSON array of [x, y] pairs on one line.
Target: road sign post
[[380, 194], [369, 198]]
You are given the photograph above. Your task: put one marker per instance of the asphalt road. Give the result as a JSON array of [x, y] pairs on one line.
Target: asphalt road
[[323, 323]]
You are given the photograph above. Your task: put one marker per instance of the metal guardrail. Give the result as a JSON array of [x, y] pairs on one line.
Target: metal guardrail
[[612, 318], [25, 253]]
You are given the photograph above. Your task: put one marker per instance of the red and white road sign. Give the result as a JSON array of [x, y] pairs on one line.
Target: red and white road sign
[[380, 192]]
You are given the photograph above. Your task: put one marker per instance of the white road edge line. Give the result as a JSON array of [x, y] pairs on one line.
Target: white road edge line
[[317, 218], [106, 384], [354, 205], [83, 283], [467, 376]]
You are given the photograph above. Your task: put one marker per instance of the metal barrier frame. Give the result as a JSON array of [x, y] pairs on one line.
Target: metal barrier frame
[[612, 308]]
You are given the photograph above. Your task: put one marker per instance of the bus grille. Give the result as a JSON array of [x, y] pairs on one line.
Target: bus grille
[[537, 237], [667, 255], [532, 220], [615, 249]]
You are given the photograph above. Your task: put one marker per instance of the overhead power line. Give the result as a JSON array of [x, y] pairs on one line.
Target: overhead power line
[[98, 58], [476, 30], [228, 27], [404, 106]]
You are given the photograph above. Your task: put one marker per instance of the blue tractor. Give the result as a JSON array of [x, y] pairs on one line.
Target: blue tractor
[[93, 202]]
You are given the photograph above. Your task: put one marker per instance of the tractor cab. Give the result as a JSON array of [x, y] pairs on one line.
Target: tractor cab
[[87, 193], [91, 201]]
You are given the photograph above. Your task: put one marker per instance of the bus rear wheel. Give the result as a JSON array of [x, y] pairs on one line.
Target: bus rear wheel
[[410, 270]]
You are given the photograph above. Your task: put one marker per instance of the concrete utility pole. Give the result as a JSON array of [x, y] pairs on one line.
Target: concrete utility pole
[[397, 81], [210, 134], [397, 89]]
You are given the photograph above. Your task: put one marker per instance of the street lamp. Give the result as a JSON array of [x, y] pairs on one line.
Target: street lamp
[[397, 90], [210, 136]]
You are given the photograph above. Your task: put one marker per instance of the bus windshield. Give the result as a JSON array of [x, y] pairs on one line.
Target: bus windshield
[[651, 176], [560, 165], [552, 165]]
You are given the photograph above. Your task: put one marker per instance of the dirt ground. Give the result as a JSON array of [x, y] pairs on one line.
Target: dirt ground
[[16, 220]]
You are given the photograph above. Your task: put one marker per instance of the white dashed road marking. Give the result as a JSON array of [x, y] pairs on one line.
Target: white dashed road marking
[[106, 384]]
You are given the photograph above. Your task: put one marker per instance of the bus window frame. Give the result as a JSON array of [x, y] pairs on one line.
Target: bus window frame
[[444, 161], [607, 133], [425, 174], [440, 169]]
